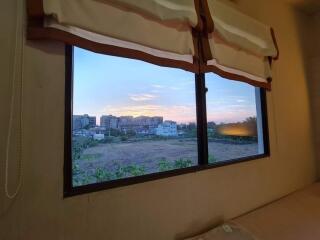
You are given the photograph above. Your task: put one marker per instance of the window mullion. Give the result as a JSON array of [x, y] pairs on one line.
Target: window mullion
[[201, 119]]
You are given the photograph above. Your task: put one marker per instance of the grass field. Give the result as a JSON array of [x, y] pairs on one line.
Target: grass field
[[117, 160]]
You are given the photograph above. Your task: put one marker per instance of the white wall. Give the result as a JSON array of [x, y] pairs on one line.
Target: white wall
[[164, 209]]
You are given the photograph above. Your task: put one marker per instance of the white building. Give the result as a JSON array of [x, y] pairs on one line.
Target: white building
[[98, 136], [167, 129]]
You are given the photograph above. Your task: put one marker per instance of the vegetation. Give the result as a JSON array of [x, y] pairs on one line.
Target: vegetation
[[244, 132], [211, 159], [90, 173], [102, 174], [182, 163], [90, 157], [76, 169], [134, 170], [79, 144], [165, 165]]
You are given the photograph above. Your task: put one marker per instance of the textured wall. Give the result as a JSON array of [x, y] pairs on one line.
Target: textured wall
[[312, 63], [164, 209]]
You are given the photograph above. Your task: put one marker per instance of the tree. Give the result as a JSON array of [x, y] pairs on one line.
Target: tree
[[212, 125]]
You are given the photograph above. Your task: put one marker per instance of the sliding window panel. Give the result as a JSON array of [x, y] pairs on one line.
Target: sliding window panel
[[236, 120], [130, 118]]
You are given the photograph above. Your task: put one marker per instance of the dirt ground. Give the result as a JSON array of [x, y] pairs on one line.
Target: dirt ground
[[149, 153]]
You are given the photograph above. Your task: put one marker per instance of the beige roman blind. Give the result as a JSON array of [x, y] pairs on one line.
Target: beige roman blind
[[159, 32], [194, 35], [237, 46]]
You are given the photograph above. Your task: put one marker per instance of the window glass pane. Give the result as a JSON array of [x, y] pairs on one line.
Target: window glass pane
[[234, 119], [130, 118]]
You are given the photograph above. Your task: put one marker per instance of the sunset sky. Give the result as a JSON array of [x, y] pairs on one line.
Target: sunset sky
[[106, 85]]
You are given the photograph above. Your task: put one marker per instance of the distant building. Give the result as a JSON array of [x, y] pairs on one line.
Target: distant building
[[140, 125], [83, 133], [167, 129], [98, 130], [147, 121], [182, 126], [92, 120], [83, 121], [125, 121], [79, 122], [109, 122]]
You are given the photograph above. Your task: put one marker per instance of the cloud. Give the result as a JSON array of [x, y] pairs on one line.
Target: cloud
[[142, 97], [175, 88], [158, 86], [241, 101]]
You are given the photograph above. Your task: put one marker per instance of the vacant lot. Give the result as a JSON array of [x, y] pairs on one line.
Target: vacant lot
[[148, 154]]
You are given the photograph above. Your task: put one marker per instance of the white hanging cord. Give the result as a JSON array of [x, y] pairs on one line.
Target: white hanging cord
[[18, 39]]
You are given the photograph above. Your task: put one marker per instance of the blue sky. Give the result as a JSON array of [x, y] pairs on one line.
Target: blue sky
[[111, 85]]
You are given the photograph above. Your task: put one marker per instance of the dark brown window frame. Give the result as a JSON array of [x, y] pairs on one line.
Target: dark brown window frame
[[203, 164]]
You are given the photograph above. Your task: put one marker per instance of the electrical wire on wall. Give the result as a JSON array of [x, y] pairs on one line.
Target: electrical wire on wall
[[17, 78]]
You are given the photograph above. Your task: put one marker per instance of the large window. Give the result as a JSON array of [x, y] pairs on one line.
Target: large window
[[129, 121]]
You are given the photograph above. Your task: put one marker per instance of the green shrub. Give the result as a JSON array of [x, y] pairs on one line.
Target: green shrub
[[79, 144], [102, 175], [76, 169], [87, 180], [91, 156], [165, 165], [134, 170], [124, 138], [76, 182], [119, 171], [182, 163], [92, 143], [83, 179], [212, 159]]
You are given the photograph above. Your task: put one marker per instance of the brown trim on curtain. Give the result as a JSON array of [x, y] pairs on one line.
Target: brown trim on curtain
[[207, 55], [236, 77], [197, 49], [205, 11], [39, 33], [199, 26], [35, 12], [275, 43], [195, 36], [208, 26], [206, 50], [270, 61]]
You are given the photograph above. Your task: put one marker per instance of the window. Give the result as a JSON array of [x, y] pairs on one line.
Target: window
[[129, 121], [130, 118], [234, 120]]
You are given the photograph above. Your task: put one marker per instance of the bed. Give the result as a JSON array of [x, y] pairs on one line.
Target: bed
[[294, 217]]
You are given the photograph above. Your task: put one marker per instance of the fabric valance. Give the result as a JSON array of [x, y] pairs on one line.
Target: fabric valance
[[194, 35], [164, 10], [238, 46], [149, 31]]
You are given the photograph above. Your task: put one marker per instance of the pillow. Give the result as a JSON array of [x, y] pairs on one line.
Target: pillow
[[227, 231]]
